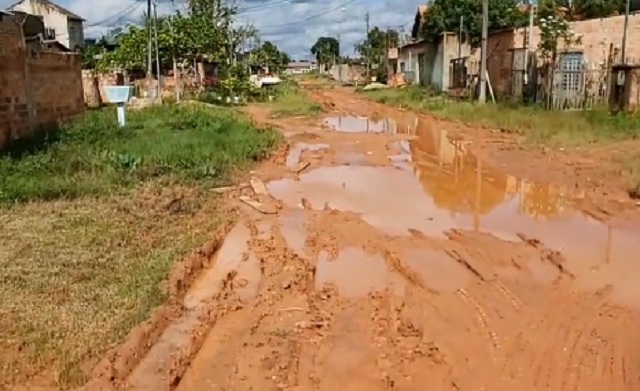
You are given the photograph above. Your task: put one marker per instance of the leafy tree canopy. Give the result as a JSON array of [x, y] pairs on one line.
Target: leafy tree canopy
[[268, 54], [581, 9], [374, 46], [326, 50], [444, 16]]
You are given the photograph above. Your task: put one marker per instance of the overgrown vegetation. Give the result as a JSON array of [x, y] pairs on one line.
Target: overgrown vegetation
[[94, 156], [290, 101], [535, 124], [94, 217]]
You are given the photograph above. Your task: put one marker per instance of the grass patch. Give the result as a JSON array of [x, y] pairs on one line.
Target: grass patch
[[176, 144], [93, 220], [534, 123], [290, 101]]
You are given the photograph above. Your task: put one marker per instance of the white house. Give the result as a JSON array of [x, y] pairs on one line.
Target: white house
[[300, 67], [60, 24]]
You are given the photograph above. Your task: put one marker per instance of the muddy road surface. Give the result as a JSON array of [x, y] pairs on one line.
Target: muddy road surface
[[380, 254]]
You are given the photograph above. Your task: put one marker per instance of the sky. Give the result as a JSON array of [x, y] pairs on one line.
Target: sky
[[294, 25]]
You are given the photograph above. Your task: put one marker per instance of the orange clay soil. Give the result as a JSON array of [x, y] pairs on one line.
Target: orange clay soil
[[384, 252]]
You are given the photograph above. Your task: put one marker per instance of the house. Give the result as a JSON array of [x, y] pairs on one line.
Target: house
[[60, 24], [599, 40], [425, 62], [300, 67]]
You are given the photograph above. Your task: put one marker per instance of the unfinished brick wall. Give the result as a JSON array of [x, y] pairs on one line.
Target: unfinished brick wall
[[38, 89]]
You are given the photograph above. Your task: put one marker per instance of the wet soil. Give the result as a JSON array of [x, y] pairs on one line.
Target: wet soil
[[385, 253]]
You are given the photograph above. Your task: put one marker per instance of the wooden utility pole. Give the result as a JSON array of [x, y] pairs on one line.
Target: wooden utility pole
[[623, 50], [529, 46], [155, 33], [482, 98], [387, 47], [368, 48], [460, 31], [149, 51]]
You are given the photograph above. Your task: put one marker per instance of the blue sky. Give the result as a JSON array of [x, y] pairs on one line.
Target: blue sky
[[281, 21]]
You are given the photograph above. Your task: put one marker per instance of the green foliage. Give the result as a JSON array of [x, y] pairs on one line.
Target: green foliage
[[373, 49], [580, 9], [268, 55], [290, 101], [203, 32], [93, 155], [326, 50], [444, 16], [555, 29], [536, 125]]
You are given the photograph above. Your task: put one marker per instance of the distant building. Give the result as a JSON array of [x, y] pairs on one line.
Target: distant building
[[300, 67], [60, 24]]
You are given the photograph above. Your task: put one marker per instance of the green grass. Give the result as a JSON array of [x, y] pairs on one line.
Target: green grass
[[291, 101], [179, 144], [535, 124], [93, 219]]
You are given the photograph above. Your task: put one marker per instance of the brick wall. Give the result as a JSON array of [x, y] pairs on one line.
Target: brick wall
[[38, 89], [597, 35]]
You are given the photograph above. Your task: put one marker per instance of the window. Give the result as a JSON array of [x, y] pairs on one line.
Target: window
[[571, 65], [49, 33]]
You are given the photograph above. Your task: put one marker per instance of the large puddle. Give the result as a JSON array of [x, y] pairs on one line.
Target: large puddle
[[434, 185], [352, 124]]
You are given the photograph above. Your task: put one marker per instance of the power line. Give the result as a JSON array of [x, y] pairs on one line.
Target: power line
[[262, 6], [118, 14], [310, 17]]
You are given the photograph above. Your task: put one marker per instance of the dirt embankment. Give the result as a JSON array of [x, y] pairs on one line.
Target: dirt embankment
[[379, 253]]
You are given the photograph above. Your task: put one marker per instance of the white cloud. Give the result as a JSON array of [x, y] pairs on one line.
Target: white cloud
[[280, 21]]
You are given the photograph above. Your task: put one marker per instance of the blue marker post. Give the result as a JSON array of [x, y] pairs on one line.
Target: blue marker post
[[120, 95]]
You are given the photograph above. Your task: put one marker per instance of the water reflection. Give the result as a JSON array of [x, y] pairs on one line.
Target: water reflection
[[441, 186], [403, 124], [493, 202]]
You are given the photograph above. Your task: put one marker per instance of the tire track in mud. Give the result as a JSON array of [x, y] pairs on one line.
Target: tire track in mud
[[560, 327], [290, 282]]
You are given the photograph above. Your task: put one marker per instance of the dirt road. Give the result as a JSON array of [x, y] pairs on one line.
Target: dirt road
[[391, 258]]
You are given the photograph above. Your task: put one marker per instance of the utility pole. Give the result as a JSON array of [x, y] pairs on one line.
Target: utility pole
[[623, 50], [460, 30], [482, 98], [342, 10], [368, 48], [149, 51], [155, 32], [387, 47]]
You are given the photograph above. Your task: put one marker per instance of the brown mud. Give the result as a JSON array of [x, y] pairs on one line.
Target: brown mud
[[385, 253]]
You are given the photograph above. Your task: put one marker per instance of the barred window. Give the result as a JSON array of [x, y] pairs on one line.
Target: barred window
[[571, 65]]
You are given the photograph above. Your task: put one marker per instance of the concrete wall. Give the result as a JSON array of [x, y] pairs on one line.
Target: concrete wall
[[37, 89], [68, 32], [348, 74], [430, 61]]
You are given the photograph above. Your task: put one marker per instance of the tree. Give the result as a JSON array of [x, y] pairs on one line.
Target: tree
[[444, 15], [581, 9], [326, 50], [203, 32], [270, 56], [373, 49]]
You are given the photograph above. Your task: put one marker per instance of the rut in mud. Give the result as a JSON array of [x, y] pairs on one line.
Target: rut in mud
[[390, 258]]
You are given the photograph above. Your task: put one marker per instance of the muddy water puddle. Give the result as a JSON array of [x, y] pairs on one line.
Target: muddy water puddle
[[354, 124], [433, 184], [351, 261]]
